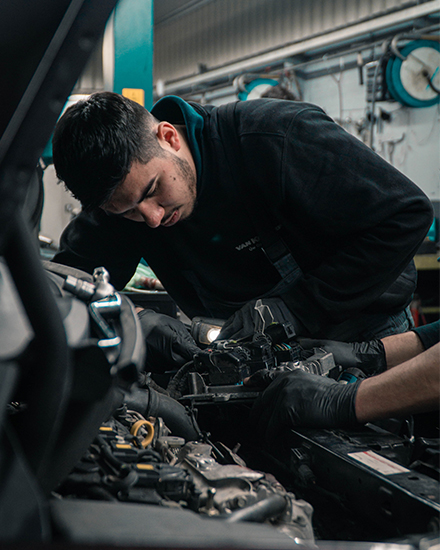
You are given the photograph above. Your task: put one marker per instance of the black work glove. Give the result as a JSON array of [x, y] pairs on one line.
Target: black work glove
[[298, 398], [255, 315], [169, 343], [369, 357]]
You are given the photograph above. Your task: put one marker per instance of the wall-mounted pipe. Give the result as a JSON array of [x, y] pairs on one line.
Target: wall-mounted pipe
[[353, 32]]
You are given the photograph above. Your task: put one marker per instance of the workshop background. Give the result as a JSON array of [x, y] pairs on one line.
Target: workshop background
[[347, 56]]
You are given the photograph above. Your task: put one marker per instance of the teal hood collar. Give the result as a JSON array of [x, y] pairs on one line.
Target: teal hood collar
[[175, 110]]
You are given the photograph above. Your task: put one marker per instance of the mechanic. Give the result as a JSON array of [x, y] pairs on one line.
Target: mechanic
[[403, 378], [262, 199]]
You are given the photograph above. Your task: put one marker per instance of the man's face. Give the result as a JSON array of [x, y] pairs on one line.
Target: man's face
[[161, 192]]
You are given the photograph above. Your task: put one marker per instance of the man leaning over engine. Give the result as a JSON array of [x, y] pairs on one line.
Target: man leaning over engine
[[265, 199]]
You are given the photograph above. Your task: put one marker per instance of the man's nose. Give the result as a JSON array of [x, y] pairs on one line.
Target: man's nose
[[151, 213]]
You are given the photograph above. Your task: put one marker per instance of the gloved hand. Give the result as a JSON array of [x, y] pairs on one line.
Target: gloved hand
[[298, 398], [169, 344], [366, 356], [264, 377], [256, 314]]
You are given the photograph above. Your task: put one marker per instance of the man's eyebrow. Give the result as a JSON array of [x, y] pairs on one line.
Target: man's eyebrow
[[146, 190], [144, 194]]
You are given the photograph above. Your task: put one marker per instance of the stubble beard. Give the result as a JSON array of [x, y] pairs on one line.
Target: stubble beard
[[187, 174]]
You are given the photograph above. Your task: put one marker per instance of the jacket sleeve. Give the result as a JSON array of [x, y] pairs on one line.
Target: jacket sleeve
[[95, 239], [363, 218]]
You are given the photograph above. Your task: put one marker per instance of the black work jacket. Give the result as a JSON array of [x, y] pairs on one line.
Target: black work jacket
[[350, 220]]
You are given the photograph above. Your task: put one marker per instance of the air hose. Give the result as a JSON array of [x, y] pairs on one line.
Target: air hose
[[149, 402], [270, 507]]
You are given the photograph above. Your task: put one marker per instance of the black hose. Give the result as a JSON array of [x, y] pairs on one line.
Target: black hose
[[51, 367], [271, 507], [153, 456], [107, 453], [174, 387], [177, 418]]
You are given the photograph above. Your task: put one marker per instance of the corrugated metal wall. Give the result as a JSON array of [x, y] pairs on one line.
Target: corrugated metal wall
[[222, 31]]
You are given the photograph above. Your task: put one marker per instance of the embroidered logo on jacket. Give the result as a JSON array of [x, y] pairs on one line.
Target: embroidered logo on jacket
[[250, 244]]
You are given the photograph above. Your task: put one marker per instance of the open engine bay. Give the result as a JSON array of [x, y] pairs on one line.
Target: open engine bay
[[189, 447], [362, 485], [131, 455]]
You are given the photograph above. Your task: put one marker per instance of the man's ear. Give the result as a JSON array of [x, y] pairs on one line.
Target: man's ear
[[168, 136]]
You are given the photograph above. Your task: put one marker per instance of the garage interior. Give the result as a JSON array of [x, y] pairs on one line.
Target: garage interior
[[72, 469]]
